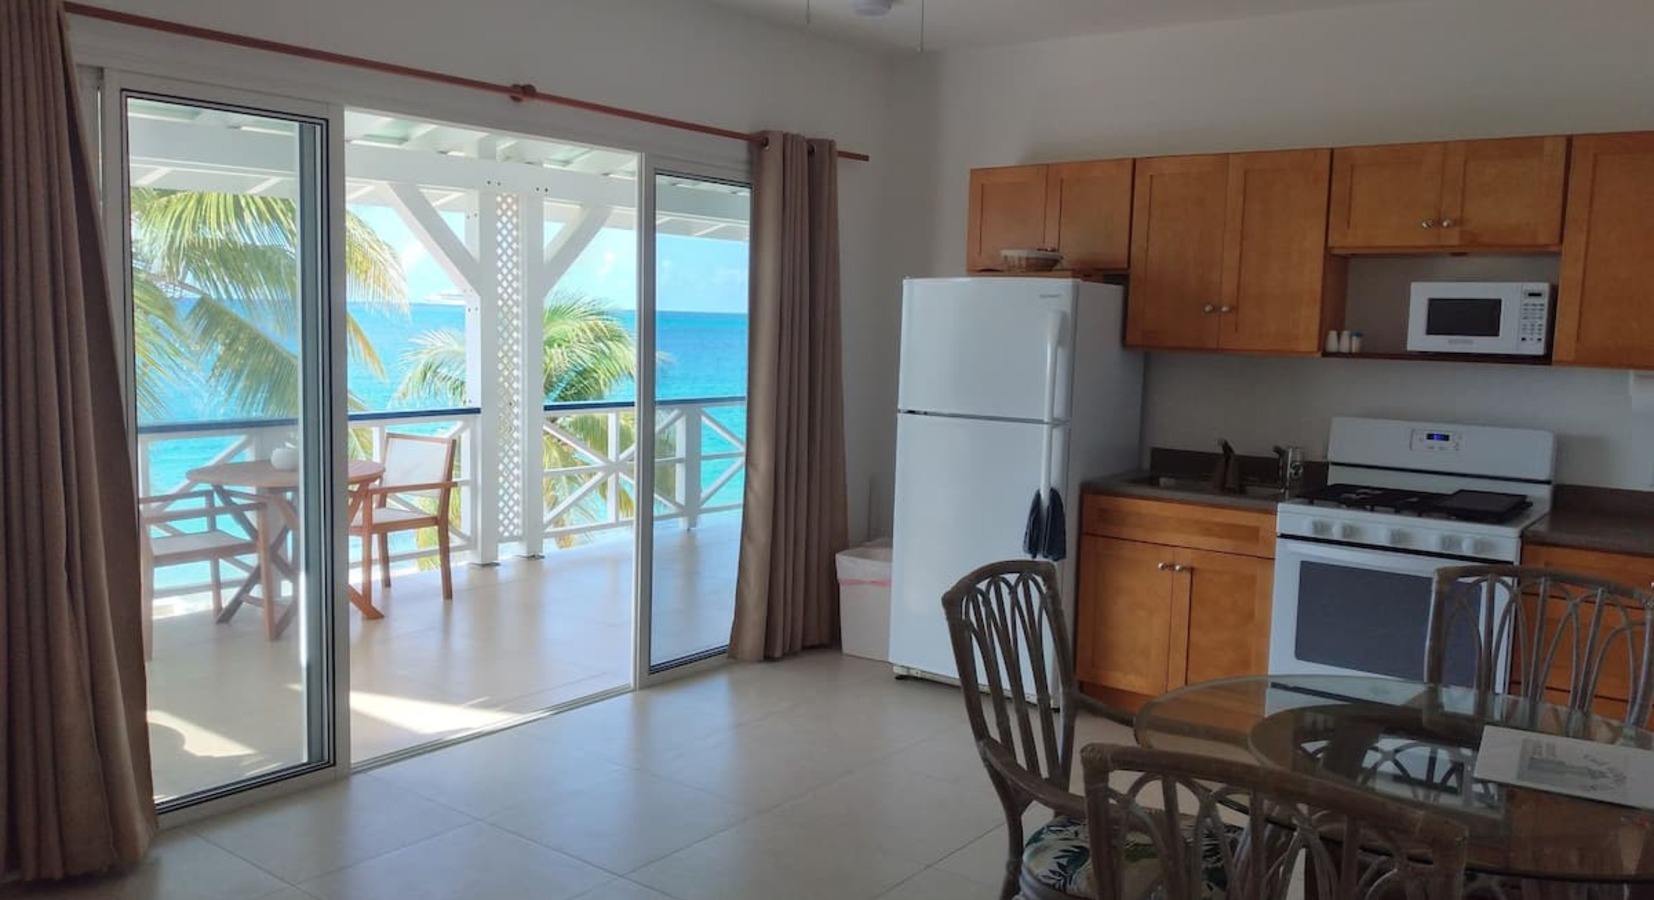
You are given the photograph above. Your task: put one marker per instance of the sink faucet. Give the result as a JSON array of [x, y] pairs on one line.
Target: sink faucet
[[1291, 460], [1227, 476]]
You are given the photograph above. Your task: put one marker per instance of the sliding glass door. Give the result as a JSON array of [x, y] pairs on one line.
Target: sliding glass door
[[700, 410], [231, 367]]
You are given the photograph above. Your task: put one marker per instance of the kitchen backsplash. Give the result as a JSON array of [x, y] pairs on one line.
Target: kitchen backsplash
[[1193, 399]]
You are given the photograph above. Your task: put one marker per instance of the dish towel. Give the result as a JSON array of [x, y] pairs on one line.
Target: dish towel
[[1033, 534], [1054, 536]]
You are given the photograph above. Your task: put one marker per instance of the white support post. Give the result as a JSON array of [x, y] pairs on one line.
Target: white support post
[[531, 375], [482, 321], [692, 416]]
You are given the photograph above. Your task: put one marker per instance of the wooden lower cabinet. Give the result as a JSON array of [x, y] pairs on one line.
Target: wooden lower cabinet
[[1124, 614], [1228, 621], [1153, 617]]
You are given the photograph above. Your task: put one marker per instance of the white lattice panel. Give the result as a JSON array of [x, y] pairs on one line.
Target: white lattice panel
[[508, 274]]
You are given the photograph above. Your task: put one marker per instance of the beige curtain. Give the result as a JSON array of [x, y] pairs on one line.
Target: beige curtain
[[75, 790], [787, 595]]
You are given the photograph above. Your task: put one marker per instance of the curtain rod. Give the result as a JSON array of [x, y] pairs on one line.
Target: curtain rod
[[518, 93]]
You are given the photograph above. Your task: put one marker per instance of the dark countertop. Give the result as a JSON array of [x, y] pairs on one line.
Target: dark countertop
[[1131, 484], [1591, 518]]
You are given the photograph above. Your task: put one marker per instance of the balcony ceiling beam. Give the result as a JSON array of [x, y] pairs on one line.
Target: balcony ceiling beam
[[447, 251], [185, 146], [562, 250]]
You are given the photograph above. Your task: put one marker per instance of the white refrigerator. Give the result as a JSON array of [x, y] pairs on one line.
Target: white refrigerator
[[1009, 386]]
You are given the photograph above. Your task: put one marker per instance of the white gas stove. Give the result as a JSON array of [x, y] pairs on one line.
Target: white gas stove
[[1354, 561]]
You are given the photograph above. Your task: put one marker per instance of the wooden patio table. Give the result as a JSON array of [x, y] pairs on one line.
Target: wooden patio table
[[279, 487], [1417, 743]]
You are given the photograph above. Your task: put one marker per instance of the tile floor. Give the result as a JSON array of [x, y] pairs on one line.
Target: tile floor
[[524, 636], [818, 777]]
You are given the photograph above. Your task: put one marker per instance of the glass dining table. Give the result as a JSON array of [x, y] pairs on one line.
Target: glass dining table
[[1417, 743]]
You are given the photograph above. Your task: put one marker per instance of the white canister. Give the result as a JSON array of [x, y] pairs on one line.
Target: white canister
[[285, 458]]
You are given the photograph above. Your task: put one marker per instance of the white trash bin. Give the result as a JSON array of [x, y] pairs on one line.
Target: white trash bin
[[864, 600]]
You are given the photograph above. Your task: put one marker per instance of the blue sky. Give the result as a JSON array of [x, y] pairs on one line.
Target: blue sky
[[694, 274]]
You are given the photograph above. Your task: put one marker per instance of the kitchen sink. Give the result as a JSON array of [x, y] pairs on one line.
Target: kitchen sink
[[1204, 486]]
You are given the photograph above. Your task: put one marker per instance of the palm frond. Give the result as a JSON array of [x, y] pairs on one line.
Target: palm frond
[[163, 349], [437, 373], [255, 373]]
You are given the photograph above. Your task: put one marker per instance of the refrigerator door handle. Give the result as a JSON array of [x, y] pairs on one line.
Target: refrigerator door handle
[[1053, 345]]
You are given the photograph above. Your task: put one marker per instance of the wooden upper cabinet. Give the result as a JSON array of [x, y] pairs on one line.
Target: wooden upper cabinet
[[1179, 209], [1281, 290], [1604, 309], [1386, 197], [1088, 213], [1228, 617], [1125, 615], [1007, 212], [1503, 194]]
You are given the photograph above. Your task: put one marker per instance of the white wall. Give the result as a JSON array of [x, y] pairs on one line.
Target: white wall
[[677, 59], [1380, 73]]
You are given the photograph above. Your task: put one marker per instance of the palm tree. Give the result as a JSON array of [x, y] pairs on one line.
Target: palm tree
[[587, 353], [236, 256]]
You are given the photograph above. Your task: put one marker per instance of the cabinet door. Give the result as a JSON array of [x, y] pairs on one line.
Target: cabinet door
[[1125, 614], [1088, 213], [1275, 266], [1386, 197], [1007, 212], [1228, 618], [1604, 309], [1504, 194], [1178, 212]]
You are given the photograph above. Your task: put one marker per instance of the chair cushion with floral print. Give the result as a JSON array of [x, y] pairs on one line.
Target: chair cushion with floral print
[[1058, 858]]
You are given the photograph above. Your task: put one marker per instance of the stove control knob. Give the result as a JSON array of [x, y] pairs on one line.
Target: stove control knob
[[1481, 547], [1449, 543], [1398, 538], [1349, 532], [1320, 528]]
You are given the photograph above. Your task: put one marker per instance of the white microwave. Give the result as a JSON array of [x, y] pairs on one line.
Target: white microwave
[[1510, 318]]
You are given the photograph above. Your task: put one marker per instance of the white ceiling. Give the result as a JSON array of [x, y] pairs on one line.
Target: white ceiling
[[962, 23]]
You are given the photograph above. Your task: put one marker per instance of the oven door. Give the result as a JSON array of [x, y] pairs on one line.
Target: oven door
[[1341, 610]]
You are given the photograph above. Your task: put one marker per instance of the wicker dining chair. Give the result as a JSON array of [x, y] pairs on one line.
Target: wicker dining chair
[[1006, 622], [1566, 639], [1170, 825]]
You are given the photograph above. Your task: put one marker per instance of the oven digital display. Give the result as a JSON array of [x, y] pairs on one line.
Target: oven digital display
[[1463, 316], [1435, 441]]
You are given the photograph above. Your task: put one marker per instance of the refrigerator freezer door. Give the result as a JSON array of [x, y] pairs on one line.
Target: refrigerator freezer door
[[963, 489], [991, 347]]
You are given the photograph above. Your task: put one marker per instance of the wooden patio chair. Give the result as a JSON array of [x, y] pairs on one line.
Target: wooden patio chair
[[1002, 617], [1170, 826], [418, 469], [233, 521]]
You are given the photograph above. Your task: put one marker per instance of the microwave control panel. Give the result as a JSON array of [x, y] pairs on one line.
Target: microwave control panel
[[1534, 318]]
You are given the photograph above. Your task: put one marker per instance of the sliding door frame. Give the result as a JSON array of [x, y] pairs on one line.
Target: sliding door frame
[[322, 353], [650, 167]]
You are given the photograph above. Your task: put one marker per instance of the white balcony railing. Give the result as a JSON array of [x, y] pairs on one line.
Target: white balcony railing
[[590, 458]]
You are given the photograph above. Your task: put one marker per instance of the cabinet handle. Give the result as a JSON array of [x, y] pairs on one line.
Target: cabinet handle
[[1448, 223], [1180, 568], [1208, 309], [1226, 309], [1428, 223], [1165, 567]]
